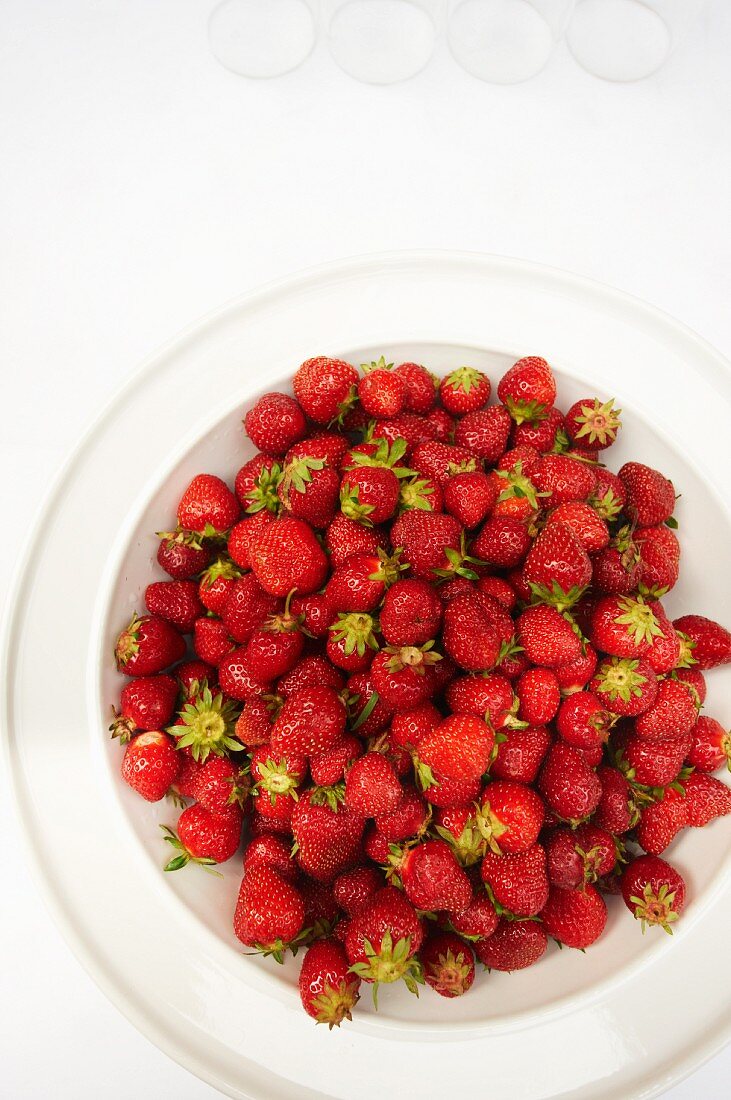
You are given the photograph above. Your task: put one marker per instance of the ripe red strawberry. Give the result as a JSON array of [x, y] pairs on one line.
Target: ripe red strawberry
[[514, 945], [352, 641], [207, 507], [254, 724], [375, 845], [402, 675], [588, 526], [650, 496], [518, 882], [146, 703], [577, 856], [512, 816], [705, 799], [236, 678], [576, 918], [325, 388], [569, 786], [484, 433], [557, 567], [328, 839], [411, 613], [547, 434], [562, 479], [150, 765], [489, 696], [459, 748], [243, 533], [369, 494], [309, 490], [658, 572], [257, 483], [583, 720], [449, 964], [409, 726], [478, 921], [383, 939], [464, 390], [219, 784], [215, 585], [310, 721], [711, 745], [367, 712], [211, 641], [382, 392], [431, 543], [315, 612], [667, 649], [520, 754], [617, 567], [329, 767], [660, 822], [593, 424], [274, 423], [653, 891], [344, 537], [503, 541], [247, 608], [311, 671], [440, 461], [539, 695], [194, 675], [440, 425], [673, 713], [662, 538], [626, 687], [500, 590], [516, 495], [420, 494], [148, 645], [285, 555], [270, 912], [354, 889], [275, 647], [547, 637], [653, 763], [433, 879], [180, 559], [452, 792], [528, 389], [615, 811], [371, 786], [328, 445], [469, 635], [361, 582], [328, 990], [273, 852], [421, 387], [470, 497], [624, 626], [711, 643], [204, 837], [463, 829], [575, 675], [175, 601]]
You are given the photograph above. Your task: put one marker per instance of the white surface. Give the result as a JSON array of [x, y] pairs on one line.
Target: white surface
[[148, 185]]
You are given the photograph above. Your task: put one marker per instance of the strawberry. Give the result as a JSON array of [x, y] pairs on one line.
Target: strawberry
[[360, 583], [352, 641], [593, 424], [371, 786], [311, 671], [624, 626], [557, 567], [577, 856], [219, 784], [321, 910], [440, 424], [441, 461], [548, 637], [408, 727], [329, 767], [216, 583], [274, 423], [310, 721], [478, 921], [236, 678], [205, 724], [711, 642], [285, 555], [626, 687], [420, 387], [148, 645], [569, 786], [520, 754], [309, 490], [470, 636], [329, 446], [382, 391], [452, 792], [369, 494], [204, 837], [192, 675], [257, 483], [243, 533], [273, 852], [411, 613], [528, 389], [673, 713], [180, 559], [367, 712], [653, 763], [561, 479], [325, 388], [275, 647], [660, 822], [464, 390], [588, 526], [617, 568], [514, 945], [705, 799], [665, 540], [459, 748], [315, 612], [354, 889], [247, 608], [448, 963], [500, 590], [277, 777], [516, 495], [517, 882], [711, 745], [433, 879], [401, 675], [576, 918], [211, 641], [575, 675], [328, 989], [270, 912], [150, 765], [328, 839], [146, 703], [489, 695], [463, 828], [615, 810], [539, 695], [484, 433], [431, 544], [207, 507], [383, 939], [421, 494], [344, 537], [503, 541], [695, 680], [375, 845], [270, 826], [653, 891], [657, 572], [582, 720], [547, 434], [470, 497], [512, 816], [650, 496]]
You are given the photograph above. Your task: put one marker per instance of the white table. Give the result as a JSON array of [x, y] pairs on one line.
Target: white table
[[148, 185]]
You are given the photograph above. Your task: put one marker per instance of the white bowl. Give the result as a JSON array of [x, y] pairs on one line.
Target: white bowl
[[162, 945]]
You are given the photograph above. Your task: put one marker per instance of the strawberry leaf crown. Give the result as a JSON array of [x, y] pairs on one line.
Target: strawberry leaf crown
[[379, 364], [464, 378], [390, 963], [222, 567], [207, 725], [264, 495], [356, 630], [386, 455], [599, 422], [415, 493]]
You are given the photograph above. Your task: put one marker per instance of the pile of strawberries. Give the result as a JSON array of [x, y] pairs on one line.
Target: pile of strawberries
[[418, 660]]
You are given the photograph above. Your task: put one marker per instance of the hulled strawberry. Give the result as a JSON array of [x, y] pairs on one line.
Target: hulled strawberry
[[653, 891], [448, 963], [328, 989], [147, 645], [270, 912], [528, 389], [207, 507], [274, 423], [382, 941], [150, 765], [325, 388], [576, 918], [286, 555], [650, 496], [593, 424]]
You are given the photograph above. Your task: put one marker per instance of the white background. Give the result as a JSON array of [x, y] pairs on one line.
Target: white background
[[143, 185]]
